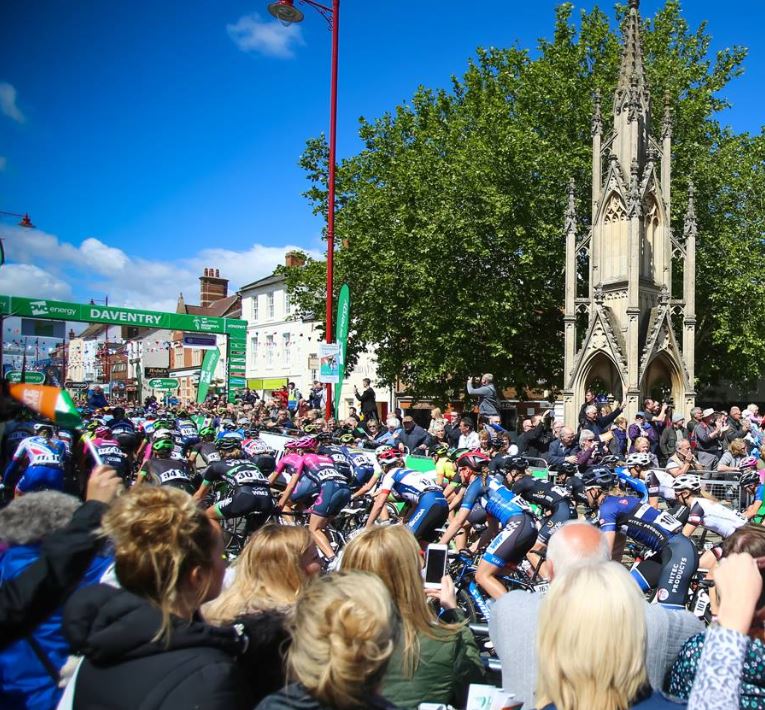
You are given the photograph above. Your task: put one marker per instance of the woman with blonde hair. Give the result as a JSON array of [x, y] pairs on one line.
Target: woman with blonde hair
[[144, 644], [586, 662], [436, 420], [343, 634], [434, 661], [274, 566]]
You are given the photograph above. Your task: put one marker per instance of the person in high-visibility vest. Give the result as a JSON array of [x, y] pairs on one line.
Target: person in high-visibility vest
[[293, 397]]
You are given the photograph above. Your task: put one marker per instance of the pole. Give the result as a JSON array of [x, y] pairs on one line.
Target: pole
[[331, 188]]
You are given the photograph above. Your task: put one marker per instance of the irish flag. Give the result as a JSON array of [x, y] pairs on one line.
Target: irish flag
[[51, 402]]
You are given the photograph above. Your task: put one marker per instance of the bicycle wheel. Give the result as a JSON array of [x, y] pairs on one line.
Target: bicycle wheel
[[466, 603]]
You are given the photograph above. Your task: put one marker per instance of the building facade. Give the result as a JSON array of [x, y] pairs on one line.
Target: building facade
[[283, 348], [626, 333]]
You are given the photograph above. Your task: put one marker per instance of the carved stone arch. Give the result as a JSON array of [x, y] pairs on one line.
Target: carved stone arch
[[613, 238], [662, 377], [599, 367]]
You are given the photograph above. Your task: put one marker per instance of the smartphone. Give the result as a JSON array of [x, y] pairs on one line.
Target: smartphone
[[435, 565]]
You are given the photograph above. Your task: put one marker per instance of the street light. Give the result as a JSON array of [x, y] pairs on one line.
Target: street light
[[286, 12]]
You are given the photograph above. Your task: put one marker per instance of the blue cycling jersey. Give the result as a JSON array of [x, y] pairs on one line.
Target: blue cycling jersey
[[498, 500], [638, 521], [636, 484], [759, 493]]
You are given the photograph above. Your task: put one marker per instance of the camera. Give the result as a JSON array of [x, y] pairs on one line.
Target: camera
[[669, 401]]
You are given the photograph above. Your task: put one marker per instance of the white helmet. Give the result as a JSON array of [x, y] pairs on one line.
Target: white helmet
[[687, 482], [639, 459]]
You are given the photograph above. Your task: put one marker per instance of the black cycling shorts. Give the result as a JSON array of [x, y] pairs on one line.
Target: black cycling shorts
[[563, 512], [246, 500], [670, 572], [513, 542], [477, 515]]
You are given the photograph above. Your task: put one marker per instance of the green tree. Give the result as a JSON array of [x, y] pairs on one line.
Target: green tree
[[450, 217]]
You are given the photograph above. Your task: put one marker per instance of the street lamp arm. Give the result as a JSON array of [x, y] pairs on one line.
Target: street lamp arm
[[326, 12]]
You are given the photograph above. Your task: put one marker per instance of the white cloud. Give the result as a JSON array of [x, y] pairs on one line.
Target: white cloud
[[273, 39], [32, 281], [94, 268], [8, 102], [3, 162]]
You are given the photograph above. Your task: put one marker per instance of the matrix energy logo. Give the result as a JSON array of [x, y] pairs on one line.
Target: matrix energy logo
[[39, 308]]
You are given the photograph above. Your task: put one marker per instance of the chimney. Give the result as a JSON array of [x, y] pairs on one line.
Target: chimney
[[211, 287], [294, 258]]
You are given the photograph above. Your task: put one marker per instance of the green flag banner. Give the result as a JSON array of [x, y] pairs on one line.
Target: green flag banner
[[341, 336], [206, 374]]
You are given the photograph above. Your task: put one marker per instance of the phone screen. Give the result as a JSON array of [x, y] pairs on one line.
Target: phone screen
[[435, 565]]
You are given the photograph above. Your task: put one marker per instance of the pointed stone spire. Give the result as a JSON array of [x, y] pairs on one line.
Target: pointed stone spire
[[690, 227], [570, 215], [632, 89]]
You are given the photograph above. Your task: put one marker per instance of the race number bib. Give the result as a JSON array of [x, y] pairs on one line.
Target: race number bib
[[173, 474]]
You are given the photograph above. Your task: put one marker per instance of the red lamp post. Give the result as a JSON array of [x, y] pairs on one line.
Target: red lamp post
[[286, 12]]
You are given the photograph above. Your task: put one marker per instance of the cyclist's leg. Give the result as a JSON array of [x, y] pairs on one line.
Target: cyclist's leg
[[680, 561], [563, 513], [333, 496], [431, 512], [508, 548]]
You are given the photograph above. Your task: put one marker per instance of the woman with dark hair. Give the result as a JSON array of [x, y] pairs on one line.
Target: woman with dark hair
[[745, 645]]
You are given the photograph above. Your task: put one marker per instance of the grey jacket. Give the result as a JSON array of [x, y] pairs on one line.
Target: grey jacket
[[488, 402]]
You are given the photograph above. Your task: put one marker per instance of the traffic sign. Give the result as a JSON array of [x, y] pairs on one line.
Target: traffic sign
[[76, 385], [164, 383], [30, 377]]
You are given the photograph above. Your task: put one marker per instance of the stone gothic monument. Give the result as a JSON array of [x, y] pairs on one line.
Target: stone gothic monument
[[626, 333]]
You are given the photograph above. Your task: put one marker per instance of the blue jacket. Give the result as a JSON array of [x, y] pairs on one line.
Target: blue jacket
[[24, 682], [557, 452]]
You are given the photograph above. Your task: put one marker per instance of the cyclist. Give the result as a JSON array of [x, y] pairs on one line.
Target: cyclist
[[164, 470], [316, 479], [123, 430], [630, 475], [699, 508], [446, 471], [247, 492], [188, 434], [674, 563], [511, 524], [205, 450], [22, 427], [427, 503], [554, 500], [376, 473], [568, 476], [258, 451], [45, 457], [110, 453], [750, 482]]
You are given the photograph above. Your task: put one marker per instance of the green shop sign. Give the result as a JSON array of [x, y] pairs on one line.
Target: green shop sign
[[163, 383], [32, 378]]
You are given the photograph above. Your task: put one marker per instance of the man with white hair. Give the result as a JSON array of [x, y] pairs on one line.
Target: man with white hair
[[513, 621]]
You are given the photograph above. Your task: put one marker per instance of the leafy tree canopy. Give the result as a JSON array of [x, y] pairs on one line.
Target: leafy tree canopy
[[450, 218]]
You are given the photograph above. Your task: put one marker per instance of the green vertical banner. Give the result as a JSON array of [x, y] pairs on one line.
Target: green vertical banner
[[341, 337], [205, 376]]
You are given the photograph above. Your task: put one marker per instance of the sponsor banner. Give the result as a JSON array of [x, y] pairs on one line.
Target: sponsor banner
[[113, 315], [341, 337], [30, 376], [163, 383], [329, 362], [206, 373], [237, 360], [237, 382], [36, 327]]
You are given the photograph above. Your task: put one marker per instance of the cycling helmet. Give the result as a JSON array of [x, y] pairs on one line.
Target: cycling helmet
[[687, 482], [346, 438], [748, 462], [310, 428], [609, 460], [454, 454], [568, 469], [599, 477], [381, 449], [228, 443], [389, 456], [439, 450], [42, 426], [243, 421], [518, 463], [93, 424], [207, 431], [637, 459], [103, 432], [162, 445], [749, 478], [228, 425], [474, 460]]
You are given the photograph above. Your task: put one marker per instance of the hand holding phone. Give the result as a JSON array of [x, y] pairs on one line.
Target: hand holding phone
[[435, 565]]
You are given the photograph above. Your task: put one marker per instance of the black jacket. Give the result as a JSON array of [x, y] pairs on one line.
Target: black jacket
[[296, 697], [368, 402], [44, 586], [125, 668]]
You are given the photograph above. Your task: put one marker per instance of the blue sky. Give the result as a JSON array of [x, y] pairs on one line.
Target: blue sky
[[148, 140]]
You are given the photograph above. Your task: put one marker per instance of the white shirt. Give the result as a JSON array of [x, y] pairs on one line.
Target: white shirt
[[469, 441]]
